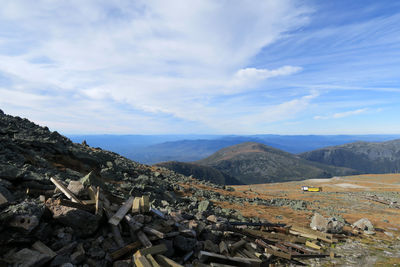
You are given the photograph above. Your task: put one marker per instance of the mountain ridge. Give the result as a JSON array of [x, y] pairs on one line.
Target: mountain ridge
[[366, 157]]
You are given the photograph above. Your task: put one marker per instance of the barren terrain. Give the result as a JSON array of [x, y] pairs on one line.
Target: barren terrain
[[350, 198]]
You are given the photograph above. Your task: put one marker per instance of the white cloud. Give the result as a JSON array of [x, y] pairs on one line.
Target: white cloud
[[248, 77], [342, 114], [168, 58]]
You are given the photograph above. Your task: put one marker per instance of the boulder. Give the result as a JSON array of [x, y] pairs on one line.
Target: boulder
[[365, 225], [327, 225], [319, 223], [77, 188], [24, 216], [84, 223]]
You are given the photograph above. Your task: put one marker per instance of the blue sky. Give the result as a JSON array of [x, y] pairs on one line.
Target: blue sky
[[202, 66]]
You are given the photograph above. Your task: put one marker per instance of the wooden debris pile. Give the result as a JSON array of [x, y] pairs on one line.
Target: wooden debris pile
[[132, 233]]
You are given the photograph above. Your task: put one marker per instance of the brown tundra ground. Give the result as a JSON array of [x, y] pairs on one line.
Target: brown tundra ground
[[373, 196]]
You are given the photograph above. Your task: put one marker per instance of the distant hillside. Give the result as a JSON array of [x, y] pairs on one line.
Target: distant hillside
[[200, 172], [257, 163], [150, 149], [366, 157]]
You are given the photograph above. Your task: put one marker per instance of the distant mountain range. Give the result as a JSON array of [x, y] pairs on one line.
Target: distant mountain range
[[150, 149], [258, 158], [365, 157], [200, 172], [252, 163]]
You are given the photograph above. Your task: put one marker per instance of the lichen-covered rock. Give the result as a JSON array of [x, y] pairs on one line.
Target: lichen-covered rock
[[84, 223], [327, 225], [365, 225], [24, 216]]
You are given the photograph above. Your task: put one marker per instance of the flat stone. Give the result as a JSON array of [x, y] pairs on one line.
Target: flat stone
[[29, 258], [84, 223], [77, 188], [203, 205]]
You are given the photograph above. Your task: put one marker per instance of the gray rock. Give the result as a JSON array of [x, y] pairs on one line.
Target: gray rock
[[203, 205], [77, 188], [319, 223], [363, 224], [331, 225], [84, 223], [29, 258], [335, 226], [5, 195], [25, 215]]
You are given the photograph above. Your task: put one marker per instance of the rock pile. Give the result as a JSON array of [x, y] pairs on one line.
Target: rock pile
[[67, 204]]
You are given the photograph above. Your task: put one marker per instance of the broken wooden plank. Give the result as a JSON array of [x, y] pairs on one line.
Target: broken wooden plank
[[37, 192], [206, 257], [89, 202], [300, 248], [151, 259], [145, 204], [42, 248], [154, 250], [126, 249], [123, 210], [76, 205], [279, 254], [158, 213], [235, 246], [143, 238], [65, 190], [136, 205], [92, 192], [152, 231], [166, 262], [114, 229], [99, 203], [312, 245], [142, 262], [321, 236]]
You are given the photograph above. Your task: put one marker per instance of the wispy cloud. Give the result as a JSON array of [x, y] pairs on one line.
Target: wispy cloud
[[155, 58], [340, 115], [196, 66]]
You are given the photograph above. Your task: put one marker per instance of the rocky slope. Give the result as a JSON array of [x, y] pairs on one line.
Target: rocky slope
[[366, 157], [200, 172], [30, 155], [257, 163]]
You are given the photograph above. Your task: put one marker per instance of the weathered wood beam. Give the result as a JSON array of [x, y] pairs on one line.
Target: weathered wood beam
[[65, 190], [123, 210]]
